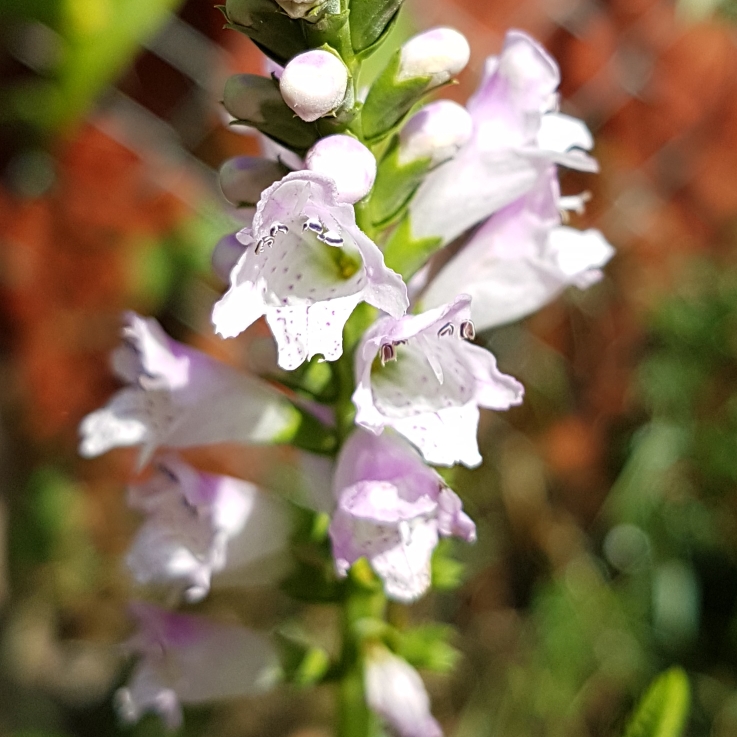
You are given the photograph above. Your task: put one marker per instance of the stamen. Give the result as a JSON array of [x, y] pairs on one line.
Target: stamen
[[267, 240], [387, 353], [331, 238], [314, 225], [468, 330], [400, 342], [278, 228], [447, 329]]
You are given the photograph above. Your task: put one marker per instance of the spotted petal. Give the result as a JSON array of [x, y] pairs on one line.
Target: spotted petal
[[419, 376], [391, 509], [306, 265]]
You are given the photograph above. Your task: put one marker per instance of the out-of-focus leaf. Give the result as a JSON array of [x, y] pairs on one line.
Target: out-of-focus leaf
[[428, 647], [664, 709], [100, 39]]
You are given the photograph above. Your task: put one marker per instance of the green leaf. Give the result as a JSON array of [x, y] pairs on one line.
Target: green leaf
[[303, 663], [395, 184], [664, 709], [268, 26], [370, 19], [388, 100], [404, 253], [100, 39], [447, 572], [310, 434], [427, 646], [257, 102]]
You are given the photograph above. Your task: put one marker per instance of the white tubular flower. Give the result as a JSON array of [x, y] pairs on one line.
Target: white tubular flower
[[436, 132], [199, 524], [391, 510], [305, 267], [421, 376], [394, 690], [521, 259], [314, 84], [185, 659], [347, 162], [517, 136], [178, 397], [439, 53]]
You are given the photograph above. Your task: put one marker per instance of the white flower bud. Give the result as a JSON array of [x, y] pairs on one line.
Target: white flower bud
[[313, 84], [439, 54], [436, 132], [243, 178], [394, 690], [347, 162], [225, 256]]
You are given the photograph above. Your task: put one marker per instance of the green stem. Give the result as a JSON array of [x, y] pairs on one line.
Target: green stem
[[364, 605]]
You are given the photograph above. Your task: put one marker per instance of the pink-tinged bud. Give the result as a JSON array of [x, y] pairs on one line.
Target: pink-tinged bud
[[436, 132], [439, 54], [225, 255], [314, 84], [347, 162], [243, 178]]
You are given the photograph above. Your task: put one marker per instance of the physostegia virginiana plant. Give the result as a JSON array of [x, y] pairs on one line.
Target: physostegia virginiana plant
[[358, 193]]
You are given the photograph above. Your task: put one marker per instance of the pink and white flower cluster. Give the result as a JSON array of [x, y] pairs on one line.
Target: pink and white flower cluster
[[420, 379]]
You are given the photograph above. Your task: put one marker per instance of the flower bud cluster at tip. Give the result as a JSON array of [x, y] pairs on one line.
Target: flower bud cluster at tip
[[439, 53], [313, 84], [436, 132], [347, 162]]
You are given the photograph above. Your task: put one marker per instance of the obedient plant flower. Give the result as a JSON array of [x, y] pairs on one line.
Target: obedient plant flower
[[421, 376], [435, 132], [199, 524], [306, 266], [517, 135], [394, 690], [391, 509], [314, 84], [185, 659], [178, 397], [347, 162], [439, 54], [521, 259]]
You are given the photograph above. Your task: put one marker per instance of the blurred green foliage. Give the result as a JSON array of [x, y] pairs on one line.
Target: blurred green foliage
[[76, 48]]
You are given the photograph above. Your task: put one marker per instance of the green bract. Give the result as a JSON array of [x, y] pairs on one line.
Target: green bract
[[256, 101]]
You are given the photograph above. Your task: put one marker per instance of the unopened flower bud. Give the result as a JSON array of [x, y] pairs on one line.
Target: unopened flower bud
[[243, 178], [394, 690], [257, 101], [225, 256], [436, 133], [439, 53], [314, 84], [347, 162]]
